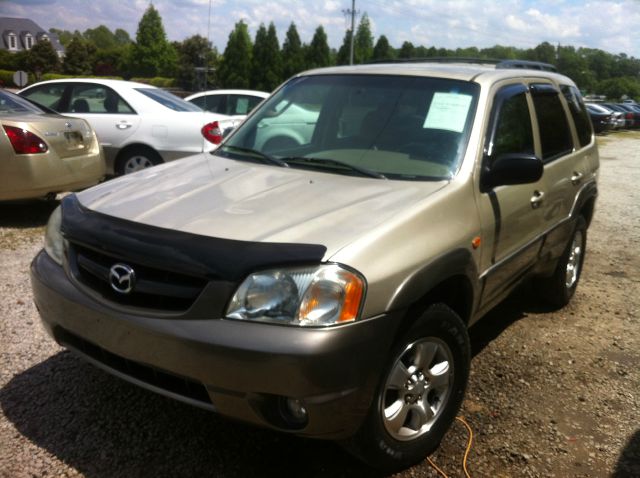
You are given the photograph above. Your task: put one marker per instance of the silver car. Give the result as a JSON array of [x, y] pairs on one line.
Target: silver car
[[323, 286]]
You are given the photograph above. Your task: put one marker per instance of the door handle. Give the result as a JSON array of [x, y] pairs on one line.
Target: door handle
[[123, 125], [536, 199], [576, 178]]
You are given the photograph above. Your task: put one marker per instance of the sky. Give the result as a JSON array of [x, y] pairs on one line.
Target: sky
[[610, 25]]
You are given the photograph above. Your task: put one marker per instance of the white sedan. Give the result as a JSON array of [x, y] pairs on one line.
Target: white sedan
[[235, 103], [138, 125]]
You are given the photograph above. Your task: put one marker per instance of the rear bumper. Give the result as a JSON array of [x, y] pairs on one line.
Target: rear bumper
[[245, 370], [33, 176]]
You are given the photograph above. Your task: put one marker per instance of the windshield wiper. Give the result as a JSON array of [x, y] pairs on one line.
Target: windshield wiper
[[260, 154], [335, 162]]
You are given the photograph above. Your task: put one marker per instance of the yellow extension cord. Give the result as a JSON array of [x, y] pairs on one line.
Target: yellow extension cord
[[466, 453]]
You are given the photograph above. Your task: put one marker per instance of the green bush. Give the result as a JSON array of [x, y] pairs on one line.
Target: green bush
[[58, 76], [158, 81]]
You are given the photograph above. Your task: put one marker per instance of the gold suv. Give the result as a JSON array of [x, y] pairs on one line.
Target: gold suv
[[317, 273]]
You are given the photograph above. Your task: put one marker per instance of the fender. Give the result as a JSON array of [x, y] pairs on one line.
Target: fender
[[456, 263]]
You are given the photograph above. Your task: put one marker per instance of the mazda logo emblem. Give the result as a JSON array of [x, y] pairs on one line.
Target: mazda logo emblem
[[68, 125], [122, 278]]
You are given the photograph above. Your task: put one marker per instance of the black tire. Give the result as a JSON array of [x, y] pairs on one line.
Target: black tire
[[135, 159], [558, 289], [393, 441]]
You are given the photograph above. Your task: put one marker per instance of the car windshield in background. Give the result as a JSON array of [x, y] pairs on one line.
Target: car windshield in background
[[10, 103], [167, 99], [395, 127]]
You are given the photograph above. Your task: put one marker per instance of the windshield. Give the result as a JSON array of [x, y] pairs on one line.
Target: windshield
[[167, 99], [395, 127], [10, 103]]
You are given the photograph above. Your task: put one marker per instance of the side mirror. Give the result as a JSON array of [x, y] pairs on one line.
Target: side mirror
[[510, 169]]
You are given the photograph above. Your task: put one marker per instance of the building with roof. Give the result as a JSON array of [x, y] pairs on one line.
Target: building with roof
[[18, 34]]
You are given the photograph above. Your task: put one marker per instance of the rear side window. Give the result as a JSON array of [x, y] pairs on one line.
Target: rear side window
[[555, 135], [579, 113], [213, 103], [168, 100], [93, 98], [242, 104]]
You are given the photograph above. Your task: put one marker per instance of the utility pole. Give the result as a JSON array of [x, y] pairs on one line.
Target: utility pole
[[351, 12]]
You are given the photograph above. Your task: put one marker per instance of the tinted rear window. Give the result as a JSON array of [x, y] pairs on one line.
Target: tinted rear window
[[168, 100]]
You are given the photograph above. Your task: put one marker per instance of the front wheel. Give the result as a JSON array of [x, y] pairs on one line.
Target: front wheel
[[419, 395]]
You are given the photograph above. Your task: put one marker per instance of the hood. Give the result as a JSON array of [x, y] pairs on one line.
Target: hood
[[217, 197]]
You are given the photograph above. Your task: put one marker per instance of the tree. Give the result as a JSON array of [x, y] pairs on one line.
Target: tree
[[407, 50], [344, 53], [7, 61], [363, 42], [79, 57], [318, 54], [121, 37], [266, 67], [382, 50], [42, 58], [469, 52], [544, 52], [152, 54], [101, 37], [64, 36], [500, 52], [573, 65], [195, 54], [292, 54], [111, 62], [235, 66], [616, 88]]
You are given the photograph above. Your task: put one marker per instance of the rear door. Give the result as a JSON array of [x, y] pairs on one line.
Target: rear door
[[566, 142], [108, 113]]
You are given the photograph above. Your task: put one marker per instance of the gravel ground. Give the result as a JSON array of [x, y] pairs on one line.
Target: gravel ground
[[550, 393]]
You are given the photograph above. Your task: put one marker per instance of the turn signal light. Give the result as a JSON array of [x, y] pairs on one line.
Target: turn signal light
[[25, 142], [212, 132]]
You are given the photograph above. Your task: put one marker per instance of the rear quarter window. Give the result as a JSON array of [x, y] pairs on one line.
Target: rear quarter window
[[578, 113]]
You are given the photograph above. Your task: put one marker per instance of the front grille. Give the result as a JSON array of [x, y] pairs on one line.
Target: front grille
[[154, 288], [161, 379]]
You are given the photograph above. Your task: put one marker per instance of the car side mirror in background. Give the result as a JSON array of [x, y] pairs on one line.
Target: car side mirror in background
[[509, 169]]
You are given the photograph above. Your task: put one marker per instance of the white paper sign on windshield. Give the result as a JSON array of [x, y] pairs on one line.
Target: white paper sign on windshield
[[448, 111]]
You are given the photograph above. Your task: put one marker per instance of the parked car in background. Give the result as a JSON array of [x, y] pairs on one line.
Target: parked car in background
[[43, 153], [602, 119], [635, 111], [138, 125], [235, 103], [629, 120]]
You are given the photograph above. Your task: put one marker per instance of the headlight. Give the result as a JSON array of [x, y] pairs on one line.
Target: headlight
[[53, 241], [309, 296]]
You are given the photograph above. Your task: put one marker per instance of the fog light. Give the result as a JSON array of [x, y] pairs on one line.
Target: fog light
[[296, 410]]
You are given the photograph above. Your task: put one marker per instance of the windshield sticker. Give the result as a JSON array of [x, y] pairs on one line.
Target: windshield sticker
[[448, 111]]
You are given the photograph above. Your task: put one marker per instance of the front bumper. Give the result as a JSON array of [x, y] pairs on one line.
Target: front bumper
[[246, 370]]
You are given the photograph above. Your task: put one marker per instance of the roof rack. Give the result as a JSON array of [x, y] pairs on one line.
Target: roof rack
[[529, 65], [502, 64], [439, 59]]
